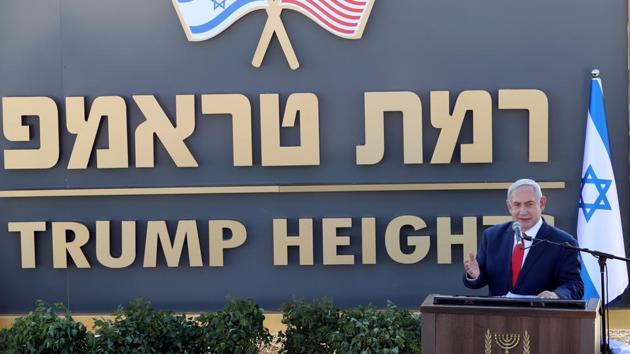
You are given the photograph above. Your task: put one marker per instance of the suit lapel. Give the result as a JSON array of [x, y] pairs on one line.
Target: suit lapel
[[535, 253]]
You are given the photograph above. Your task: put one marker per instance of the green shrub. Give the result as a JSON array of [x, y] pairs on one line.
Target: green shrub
[[237, 329], [309, 326], [141, 329], [43, 331], [368, 330], [4, 336], [312, 328]]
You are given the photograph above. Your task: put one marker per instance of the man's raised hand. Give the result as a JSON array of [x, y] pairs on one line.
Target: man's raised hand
[[471, 266]]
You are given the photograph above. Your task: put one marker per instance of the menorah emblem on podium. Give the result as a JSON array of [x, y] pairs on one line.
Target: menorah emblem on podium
[[507, 341]]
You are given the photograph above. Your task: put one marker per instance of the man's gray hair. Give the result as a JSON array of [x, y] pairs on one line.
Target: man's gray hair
[[525, 182]]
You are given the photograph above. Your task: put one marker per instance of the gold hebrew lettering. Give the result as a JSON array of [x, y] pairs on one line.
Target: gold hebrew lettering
[[376, 105], [537, 104], [450, 125], [115, 109], [157, 124], [305, 154], [239, 107], [45, 109]]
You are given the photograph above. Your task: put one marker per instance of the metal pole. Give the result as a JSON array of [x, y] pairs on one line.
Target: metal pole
[[604, 347], [627, 73]]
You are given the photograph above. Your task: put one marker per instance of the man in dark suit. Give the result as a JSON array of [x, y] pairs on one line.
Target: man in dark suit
[[508, 264]]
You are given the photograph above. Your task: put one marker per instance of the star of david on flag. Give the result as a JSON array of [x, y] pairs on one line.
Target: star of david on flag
[[204, 19], [599, 221], [219, 3], [595, 190]]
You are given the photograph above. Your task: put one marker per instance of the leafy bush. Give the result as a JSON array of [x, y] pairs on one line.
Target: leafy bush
[[368, 330], [4, 337], [141, 329], [43, 331], [237, 329], [309, 326], [312, 328]]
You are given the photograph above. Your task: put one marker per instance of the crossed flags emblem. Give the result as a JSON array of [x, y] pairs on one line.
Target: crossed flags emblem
[[204, 19]]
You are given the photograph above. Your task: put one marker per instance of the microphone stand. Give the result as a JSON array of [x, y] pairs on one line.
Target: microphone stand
[[602, 257]]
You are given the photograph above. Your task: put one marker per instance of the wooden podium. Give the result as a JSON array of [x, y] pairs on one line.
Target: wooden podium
[[485, 325]]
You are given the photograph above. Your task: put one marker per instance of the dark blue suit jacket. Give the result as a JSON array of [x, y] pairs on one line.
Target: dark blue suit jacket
[[547, 267]]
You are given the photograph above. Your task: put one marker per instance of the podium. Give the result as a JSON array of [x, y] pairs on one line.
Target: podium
[[465, 324]]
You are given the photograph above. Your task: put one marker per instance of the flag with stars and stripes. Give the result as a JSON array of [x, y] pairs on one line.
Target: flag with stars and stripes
[[343, 18], [599, 221], [204, 19]]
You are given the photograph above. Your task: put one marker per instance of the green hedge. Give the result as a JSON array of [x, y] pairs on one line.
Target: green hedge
[[309, 327], [312, 327], [141, 329], [368, 330], [320, 327], [237, 329], [43, 331]]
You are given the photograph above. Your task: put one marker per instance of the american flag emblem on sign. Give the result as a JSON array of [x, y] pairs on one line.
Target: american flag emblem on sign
[[204, 19], [344, 18]]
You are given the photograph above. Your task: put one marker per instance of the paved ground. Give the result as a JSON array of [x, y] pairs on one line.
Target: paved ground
[[622, 335]]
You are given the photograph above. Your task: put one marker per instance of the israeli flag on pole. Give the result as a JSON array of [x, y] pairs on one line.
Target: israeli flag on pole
[[204, 19], [599, 221]]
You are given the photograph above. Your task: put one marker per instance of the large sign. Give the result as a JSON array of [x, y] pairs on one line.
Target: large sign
[[140, 160]]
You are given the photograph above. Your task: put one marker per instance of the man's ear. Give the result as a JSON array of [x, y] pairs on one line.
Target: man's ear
[[543, 202]]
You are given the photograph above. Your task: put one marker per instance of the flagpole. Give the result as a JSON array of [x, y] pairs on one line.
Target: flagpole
[[599, 221], [274, 25], [604, 345]]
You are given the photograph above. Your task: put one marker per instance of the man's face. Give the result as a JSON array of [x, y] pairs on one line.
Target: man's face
[[524, 207]]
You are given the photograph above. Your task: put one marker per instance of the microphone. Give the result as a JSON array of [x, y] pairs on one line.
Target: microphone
[[516, 227]]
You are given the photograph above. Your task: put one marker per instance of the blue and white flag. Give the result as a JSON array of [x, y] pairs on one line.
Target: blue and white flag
[[204, 19], [599, 221]]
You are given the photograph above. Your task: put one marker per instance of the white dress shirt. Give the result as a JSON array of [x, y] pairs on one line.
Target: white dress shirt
[[532, 232]]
